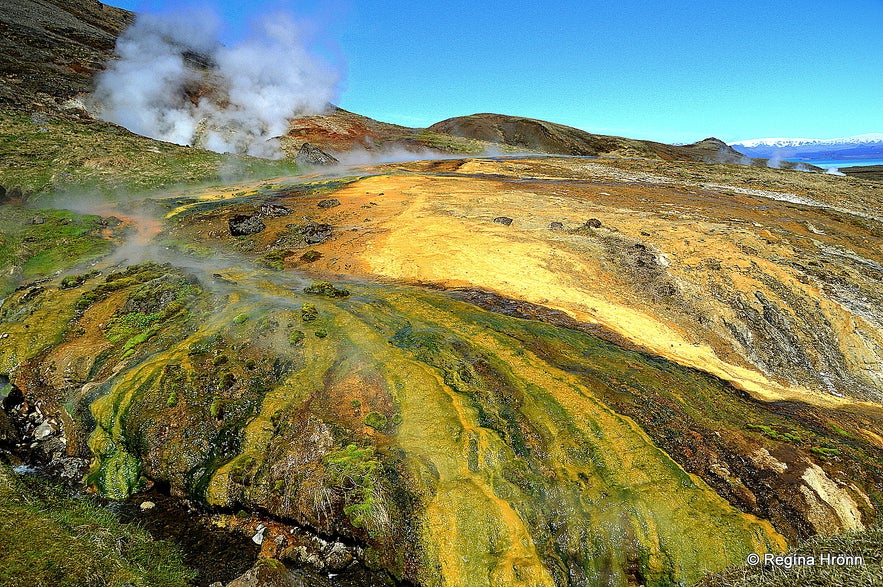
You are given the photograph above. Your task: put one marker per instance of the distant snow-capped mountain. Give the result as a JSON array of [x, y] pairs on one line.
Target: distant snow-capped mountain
[[858, 147]]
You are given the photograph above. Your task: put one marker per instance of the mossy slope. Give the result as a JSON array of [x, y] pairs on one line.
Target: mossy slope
[[413, 416]]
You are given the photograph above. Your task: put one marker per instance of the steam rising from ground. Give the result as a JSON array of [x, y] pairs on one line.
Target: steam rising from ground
[[175, 82]]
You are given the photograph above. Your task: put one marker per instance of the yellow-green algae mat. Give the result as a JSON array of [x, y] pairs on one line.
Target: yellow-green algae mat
[[518, 474]]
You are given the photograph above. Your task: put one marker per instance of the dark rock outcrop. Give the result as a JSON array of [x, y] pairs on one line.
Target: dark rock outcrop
[[310, 155], [504, 220], [316, 234], [241, 225], [330, 203], [273, 211]]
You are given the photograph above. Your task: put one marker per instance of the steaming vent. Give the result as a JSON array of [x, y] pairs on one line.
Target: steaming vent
[[174, 81]]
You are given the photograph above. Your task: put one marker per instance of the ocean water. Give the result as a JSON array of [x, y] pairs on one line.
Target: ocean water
[[838, 163]]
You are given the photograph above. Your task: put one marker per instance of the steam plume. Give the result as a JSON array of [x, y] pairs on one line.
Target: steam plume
[[175, 82]]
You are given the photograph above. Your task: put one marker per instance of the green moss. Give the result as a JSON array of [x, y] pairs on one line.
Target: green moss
[[116, 474], [275, 259], [770, 432], [843, 432], [296, 338], [240, 319], [309, 312], [311, 256], [216, 409], [825, 452], [321, 333], [376, 420], [72, 281], [129, 325], [355, 471], [172, 400], [327, 289]]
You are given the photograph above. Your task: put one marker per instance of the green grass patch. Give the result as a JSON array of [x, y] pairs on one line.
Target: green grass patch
[[78, 157], [51, 538], [864, 544], [771, 432], [825, 452], [355, 471], [35, 243]]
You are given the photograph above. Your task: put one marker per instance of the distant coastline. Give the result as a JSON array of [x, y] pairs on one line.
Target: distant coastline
[[837, 163]]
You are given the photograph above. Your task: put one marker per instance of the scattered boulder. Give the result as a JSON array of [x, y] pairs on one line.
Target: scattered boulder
[[241, 225], [44, 431], [273, 211], [593, 223], [556, 226], [310, 155], [38, 220], [330, 203], [147, 505], [504, 220], [258, 537], [316, 234]]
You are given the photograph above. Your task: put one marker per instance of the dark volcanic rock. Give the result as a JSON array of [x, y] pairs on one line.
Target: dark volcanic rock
[[310, 155], [273, 211], [593, 223], [241, 225], [316, 234], [556, 226], [331, 203], [504, 220]]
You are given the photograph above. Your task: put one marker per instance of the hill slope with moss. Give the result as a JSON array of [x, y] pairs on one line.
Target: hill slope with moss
[[379, 357]]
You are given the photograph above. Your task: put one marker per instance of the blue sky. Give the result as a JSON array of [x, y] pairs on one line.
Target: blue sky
[[668, 71]]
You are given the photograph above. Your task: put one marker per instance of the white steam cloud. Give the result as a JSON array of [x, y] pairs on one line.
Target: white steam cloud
[[174, 81]]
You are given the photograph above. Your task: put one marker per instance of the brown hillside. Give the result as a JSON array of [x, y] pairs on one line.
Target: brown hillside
[[50, 49]]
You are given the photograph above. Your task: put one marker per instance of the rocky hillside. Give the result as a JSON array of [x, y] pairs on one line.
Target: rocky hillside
[[539, 136], [50, 50]]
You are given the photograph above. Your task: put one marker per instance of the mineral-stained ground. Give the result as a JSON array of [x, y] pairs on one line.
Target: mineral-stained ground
[[655, 369]]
